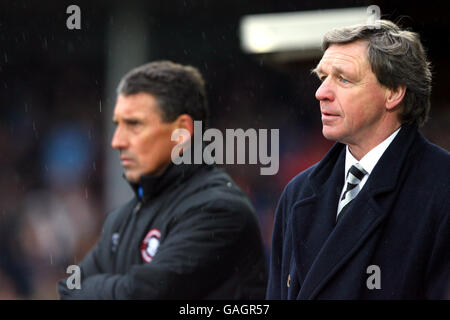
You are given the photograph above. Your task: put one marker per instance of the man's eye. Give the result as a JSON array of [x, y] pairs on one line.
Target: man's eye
[[322, 78], [343, 80]]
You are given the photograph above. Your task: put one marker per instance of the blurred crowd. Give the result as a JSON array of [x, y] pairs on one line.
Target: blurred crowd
[[51, 182]]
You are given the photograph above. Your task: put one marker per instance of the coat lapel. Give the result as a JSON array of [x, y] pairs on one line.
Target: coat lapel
[[322, 247], [313, 218]]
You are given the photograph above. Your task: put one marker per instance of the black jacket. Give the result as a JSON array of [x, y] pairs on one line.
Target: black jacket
[[191, 234], [399, 223]]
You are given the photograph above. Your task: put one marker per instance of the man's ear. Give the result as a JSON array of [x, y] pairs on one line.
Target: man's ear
[[394, 97], [185, 121]]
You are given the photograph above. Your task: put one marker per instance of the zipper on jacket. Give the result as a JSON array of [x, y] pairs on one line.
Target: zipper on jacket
[[137, 207], [122, 236]]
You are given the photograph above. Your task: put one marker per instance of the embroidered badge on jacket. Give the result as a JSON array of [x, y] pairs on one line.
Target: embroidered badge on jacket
[[150, 245]]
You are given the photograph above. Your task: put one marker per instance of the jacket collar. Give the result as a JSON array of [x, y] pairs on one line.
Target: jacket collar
[[173, 175], [388, 169], [391, 161]]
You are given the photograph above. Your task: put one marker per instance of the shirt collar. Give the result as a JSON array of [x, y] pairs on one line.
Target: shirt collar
[[369, 161]]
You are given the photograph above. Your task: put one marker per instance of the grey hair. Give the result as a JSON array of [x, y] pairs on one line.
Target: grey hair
[[397, 58]]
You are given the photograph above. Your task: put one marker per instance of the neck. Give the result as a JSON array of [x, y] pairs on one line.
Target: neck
[[360, 149]]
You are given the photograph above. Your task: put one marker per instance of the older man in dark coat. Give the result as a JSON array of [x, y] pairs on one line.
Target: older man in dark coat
[[371, 219]]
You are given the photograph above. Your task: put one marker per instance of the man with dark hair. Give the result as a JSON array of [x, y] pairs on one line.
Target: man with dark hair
[[189, 232], [371, 219]]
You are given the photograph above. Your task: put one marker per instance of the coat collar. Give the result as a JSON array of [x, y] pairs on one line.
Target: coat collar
[[391, 161], [321, 247], [152, 186]]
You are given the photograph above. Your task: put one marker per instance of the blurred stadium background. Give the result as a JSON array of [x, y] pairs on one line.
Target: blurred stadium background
[[58, 178]]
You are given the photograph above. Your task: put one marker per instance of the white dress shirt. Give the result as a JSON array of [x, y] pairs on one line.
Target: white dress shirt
[[368, 162]]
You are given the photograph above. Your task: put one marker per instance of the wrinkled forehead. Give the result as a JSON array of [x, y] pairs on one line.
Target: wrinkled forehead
[[350, 57]]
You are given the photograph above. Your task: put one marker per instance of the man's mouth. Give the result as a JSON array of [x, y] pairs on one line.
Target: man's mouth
[[126, 161], [328, 113], [327, 117]]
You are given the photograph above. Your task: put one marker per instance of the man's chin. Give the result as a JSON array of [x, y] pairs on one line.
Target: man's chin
[[330, 134], [132, 178]]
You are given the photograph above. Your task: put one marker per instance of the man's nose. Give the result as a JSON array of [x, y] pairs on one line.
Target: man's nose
[[119, 140], [325, 91]]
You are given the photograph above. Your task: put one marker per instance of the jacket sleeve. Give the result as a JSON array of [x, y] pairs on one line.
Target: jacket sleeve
[[198, 252], [89, 267]]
